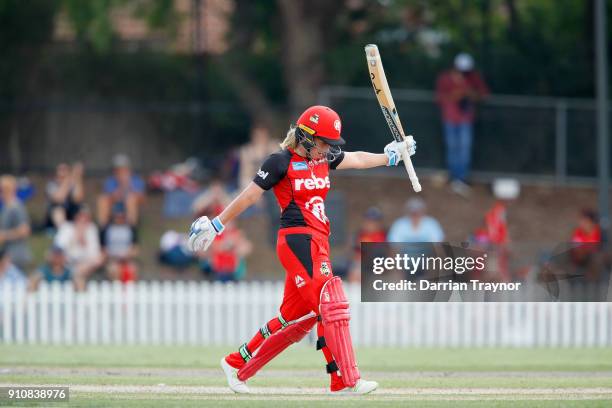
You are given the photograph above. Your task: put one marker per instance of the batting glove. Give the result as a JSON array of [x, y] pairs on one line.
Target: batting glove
[[203, 232], [395, 150]]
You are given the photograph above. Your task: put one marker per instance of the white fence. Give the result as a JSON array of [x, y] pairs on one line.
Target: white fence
[[203, 313]]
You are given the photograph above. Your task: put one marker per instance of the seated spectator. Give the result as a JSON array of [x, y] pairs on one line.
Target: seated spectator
[[119, 243], [9, 273], [14, 224], [588, 234], [25, 190], [55, 269], [64, 194], [492, 237], [80, 240], [587, 230], [179, 176], [225, 258], [416, 225], [212, 201], [173, 250], [123, 189], [371, 230]]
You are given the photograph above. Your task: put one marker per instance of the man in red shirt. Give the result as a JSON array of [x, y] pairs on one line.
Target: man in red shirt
[[457, 92], [588, 234]]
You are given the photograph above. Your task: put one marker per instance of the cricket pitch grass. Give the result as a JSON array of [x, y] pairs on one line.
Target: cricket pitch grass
[[185, 376]]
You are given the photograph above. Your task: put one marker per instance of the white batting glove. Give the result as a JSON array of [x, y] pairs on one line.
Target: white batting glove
[[203, 232], [396, 150]]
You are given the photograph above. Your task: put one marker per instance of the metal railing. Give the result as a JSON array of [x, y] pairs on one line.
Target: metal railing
[[553, 136]]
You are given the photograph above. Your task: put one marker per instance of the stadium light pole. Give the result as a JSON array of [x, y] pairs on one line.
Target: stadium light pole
[[601, 92]]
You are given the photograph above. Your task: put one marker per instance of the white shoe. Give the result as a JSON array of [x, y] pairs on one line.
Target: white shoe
[[362, 387], [239, 387], [459, 187]]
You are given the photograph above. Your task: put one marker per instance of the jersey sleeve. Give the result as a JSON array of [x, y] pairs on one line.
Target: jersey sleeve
[[336, 162], [273, 169]]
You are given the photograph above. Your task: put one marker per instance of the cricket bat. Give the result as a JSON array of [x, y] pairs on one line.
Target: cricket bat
[[385, 100]]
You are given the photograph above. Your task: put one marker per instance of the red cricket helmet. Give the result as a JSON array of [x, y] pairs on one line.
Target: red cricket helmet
[[322, 122]]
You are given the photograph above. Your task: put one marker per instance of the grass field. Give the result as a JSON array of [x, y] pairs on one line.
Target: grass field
[[190, 377]]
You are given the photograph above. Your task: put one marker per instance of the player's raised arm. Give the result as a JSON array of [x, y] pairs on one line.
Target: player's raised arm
[[392, 156]]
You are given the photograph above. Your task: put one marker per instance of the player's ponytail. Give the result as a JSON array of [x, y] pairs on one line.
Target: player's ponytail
[[290, 140]]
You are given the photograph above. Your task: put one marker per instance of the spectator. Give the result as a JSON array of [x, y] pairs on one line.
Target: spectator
[[122, 190], [587, 230], [492, 237], [371, 230], [225, 258], [55, 269], [587, 255], [173, 250], [119, 242], [14, 224], [495, 230], [212, 201], [457, 92], [416, 225], [80, 241], [9, 273], [253, 153], [64, 194], [25, 190]]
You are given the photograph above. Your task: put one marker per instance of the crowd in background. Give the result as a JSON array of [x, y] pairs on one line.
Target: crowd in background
[[106, 245], [105, 242]]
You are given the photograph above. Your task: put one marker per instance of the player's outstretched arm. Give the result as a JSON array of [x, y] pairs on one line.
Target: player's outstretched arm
[[204, 230], [249, 196], [392, 156]]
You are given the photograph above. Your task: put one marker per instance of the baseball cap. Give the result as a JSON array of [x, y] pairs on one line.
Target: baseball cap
[[464, 62], [56, 250], [121, 160], [373, 213], [415, 205]]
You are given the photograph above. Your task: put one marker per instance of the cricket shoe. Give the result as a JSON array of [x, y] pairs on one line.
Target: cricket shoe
[[362, 387], [231, 374]]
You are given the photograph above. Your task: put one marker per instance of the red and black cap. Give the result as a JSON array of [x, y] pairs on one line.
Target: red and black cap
[[322, 122]]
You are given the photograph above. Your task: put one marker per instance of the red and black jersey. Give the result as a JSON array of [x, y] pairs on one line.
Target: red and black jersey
[[300, 187]]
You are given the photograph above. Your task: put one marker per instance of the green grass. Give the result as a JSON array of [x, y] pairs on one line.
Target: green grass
[[518, 371], [301, 357]]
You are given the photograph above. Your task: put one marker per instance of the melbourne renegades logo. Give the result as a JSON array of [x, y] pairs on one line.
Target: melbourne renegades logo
[[316, 206]]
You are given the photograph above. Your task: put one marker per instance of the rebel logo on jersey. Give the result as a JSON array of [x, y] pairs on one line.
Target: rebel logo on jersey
[[312, 183], [300, 187]]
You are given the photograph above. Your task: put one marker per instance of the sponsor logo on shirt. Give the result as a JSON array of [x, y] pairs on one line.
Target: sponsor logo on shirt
[[262, 174], [312, 183], [299, 166], [299, 281], [325, 269]]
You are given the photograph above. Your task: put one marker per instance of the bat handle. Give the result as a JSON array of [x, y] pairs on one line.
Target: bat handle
[[416, 186]]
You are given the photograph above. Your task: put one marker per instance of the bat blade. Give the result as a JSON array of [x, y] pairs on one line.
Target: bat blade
[[385, 100]]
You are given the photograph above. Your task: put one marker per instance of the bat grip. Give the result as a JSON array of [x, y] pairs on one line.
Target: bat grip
[[416, 186]]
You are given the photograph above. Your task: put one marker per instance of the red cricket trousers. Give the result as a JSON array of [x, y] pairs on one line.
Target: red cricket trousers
[[304, 254]]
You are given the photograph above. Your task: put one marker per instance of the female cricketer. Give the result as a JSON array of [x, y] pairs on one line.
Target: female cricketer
[[299, 177]]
